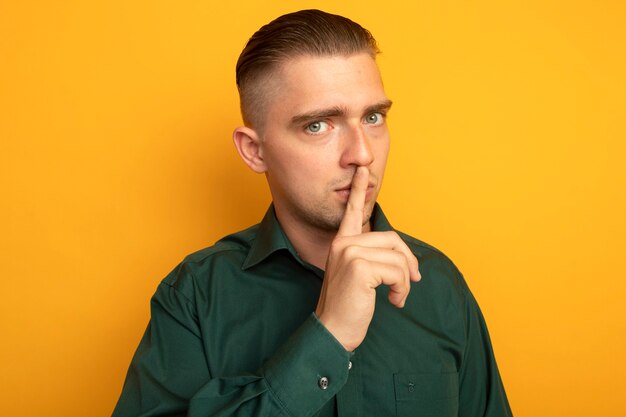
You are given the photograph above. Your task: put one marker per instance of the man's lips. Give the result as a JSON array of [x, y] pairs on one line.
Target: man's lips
[[349, 187], [344, 192]]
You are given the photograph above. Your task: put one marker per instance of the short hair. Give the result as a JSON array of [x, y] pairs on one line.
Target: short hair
[[306, 32]]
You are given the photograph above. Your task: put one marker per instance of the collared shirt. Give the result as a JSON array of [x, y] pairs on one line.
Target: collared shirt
[[233, 333]]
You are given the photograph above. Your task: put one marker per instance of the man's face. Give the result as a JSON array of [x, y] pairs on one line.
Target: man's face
[[325, 118]]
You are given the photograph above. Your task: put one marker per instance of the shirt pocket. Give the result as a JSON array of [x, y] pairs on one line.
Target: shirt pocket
[[427, 395]]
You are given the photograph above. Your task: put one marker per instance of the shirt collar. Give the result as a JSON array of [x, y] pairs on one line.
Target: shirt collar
[[271, 237]]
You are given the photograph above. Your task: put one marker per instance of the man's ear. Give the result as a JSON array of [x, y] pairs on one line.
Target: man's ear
[[249, 146]]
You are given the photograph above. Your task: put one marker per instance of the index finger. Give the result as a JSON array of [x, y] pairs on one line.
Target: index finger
[[352, 222]]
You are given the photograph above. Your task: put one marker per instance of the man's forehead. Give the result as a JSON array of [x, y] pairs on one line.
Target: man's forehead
[[310, 83]]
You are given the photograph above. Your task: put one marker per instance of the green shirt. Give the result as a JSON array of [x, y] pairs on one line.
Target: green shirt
[[233, 333]]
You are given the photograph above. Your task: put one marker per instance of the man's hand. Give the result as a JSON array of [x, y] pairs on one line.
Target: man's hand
[[358, 263]]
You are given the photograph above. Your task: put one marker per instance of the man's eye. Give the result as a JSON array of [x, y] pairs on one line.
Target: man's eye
[[375, 118], [317, 127]]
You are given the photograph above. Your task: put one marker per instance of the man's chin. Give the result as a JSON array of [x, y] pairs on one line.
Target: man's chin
[[367, 214], [329, 218]]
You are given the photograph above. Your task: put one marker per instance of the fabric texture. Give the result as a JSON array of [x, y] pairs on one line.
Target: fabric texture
[[233, 333]]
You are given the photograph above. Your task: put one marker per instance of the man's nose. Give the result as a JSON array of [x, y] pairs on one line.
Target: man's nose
[[356, 149]]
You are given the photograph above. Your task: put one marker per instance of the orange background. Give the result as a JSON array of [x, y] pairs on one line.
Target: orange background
[[116, 161]]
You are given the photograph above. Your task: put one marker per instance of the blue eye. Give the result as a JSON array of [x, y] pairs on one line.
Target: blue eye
[[317, 127], [375, 118]]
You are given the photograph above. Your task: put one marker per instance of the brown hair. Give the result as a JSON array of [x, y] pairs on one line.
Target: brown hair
[[307, 32]]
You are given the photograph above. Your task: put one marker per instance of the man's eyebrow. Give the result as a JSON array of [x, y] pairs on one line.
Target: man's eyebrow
[[382, 107], [299, 119], [337, 111]]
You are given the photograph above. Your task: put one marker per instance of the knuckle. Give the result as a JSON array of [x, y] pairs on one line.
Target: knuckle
[[350, 251], [407, 271], [337, 244], [402, 274], [400, 257], [396, 237], [390, 234], [358, 265]]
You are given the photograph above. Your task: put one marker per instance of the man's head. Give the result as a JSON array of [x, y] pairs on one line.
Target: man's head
[[307, 32], [322, 107]]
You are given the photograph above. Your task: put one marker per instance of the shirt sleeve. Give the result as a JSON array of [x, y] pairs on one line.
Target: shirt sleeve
[[169, 374], [481, 389]]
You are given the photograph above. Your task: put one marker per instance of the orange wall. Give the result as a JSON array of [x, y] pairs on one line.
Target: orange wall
[[115, 160]]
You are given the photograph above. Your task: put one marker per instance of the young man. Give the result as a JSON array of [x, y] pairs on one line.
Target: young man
[[321, 309]]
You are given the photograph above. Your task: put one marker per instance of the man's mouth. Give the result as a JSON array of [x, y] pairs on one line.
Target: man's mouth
[[348, 187], [344, 192]]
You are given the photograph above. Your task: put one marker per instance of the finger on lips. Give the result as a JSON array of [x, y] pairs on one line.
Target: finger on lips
[[388, 258], [352, 222]]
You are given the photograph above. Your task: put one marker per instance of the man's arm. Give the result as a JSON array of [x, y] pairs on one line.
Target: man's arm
[[169, 374], [481, 389]]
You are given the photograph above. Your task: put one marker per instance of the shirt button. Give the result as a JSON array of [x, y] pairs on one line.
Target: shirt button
[[349, 365], [323, 382]]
